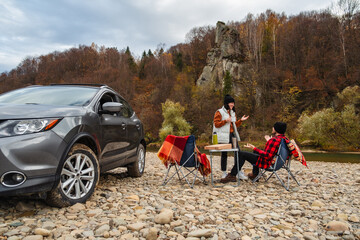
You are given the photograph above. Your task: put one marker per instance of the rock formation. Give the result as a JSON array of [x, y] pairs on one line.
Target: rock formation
[[226, 56]]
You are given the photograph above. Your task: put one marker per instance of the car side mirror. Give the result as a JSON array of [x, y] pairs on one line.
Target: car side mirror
[[111, 107]]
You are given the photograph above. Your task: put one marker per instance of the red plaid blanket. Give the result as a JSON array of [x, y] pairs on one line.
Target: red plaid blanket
[[301, 157], [205, 168], [172, 149]]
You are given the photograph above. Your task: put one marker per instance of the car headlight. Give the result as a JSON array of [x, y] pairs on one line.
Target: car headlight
[[20, 127]]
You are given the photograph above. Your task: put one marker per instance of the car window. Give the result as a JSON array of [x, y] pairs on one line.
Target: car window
[[126, 110], [50, 95], [107, 97]]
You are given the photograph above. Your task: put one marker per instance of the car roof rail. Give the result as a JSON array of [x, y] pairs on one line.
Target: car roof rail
[[80, 84]]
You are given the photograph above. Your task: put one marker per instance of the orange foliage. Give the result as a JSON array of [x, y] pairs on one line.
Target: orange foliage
[[290, 63]]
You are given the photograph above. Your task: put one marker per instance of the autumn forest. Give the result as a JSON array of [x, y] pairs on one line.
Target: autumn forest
[[296, 66]]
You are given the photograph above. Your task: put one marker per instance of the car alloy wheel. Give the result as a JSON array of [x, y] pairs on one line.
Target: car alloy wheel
[[78, 177], [141, 159], [136, 169]]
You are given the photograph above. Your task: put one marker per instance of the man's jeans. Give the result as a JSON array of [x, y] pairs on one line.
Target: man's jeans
[[248, 156]]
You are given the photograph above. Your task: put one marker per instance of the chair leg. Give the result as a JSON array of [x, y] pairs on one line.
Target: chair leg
[[192, 186], [167, 173], [283, 164], [261, 173], [169, 178], [292, 175], [272, 173], [204, 180], [183, 174], [190, 172], [281, 181], [177, 171]]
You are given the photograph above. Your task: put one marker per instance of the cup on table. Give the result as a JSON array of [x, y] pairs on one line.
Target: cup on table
[[234, 142]]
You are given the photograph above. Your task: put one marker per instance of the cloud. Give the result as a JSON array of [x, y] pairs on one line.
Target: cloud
[[37, 27]]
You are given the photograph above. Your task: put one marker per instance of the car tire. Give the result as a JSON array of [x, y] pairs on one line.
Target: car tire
[[136, 169], [78, 177]]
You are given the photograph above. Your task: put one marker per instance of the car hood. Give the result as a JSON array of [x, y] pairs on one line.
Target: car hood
[[22, 111]]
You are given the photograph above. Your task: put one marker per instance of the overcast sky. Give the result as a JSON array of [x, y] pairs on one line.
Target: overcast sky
[[38, 27]]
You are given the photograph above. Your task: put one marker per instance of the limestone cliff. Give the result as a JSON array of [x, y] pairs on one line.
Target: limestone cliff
[[225, 56]]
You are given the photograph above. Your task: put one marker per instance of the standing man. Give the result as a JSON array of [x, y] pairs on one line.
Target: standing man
[[259, 158], [224, 129]]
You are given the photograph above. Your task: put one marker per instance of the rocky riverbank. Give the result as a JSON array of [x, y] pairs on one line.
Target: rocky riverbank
[[325, 206]]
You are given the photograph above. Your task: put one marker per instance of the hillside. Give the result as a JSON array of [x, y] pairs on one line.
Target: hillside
[[289, 65]]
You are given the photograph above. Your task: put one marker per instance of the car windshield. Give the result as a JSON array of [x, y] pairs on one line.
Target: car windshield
[[50, 95]]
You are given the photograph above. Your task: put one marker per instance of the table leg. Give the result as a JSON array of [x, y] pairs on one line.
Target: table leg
[[211, 173], [238, 168]]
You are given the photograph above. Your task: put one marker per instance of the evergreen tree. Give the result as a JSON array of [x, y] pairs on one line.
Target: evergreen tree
[[150, 54], [179, 62], [143, 61], [227, 87], [131, 61]]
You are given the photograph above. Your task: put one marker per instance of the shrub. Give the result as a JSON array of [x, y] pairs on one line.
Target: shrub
[[174, 122], [335, 129]]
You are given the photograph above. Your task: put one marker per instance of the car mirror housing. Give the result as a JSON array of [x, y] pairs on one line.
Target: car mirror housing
[[111, 107]]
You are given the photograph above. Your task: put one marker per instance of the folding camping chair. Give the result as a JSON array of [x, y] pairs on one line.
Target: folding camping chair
[[281, 161], [188, 165]]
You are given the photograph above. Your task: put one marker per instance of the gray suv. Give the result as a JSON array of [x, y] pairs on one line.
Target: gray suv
[[55, 140]]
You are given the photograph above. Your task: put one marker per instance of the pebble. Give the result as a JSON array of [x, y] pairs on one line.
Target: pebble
[[201, 233], [325, 206], [152, 234], [12, 233], [42, 232], [48, 225], [354, 218], [33, 237], [78, 207], [245, 237], [136, 226], [94, 212], [164, 216], [309, 237], [88, 233], [317, 203], [337, 226], [102, 229], [313, 225], [24, 206]]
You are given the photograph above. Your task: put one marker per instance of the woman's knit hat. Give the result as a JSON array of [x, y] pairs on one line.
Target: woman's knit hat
[[228, 99]]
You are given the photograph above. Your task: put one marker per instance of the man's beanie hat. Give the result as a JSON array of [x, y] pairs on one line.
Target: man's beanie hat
[[228, 99], [280, 127]]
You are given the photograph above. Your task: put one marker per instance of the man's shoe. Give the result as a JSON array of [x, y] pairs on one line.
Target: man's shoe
[[252, 176], [228, 178], [241, 175]]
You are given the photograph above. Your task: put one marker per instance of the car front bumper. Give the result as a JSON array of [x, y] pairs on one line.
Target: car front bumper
[[36, 156]]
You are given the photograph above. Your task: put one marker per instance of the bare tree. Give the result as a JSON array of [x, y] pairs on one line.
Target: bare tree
[[345, 11]]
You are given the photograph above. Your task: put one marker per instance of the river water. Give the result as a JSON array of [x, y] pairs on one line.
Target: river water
[[333, 157], [315, 156]]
